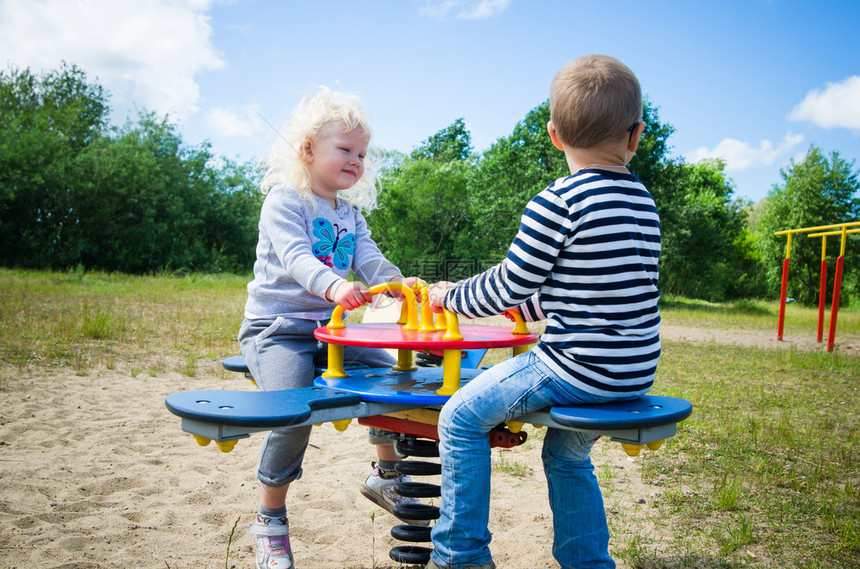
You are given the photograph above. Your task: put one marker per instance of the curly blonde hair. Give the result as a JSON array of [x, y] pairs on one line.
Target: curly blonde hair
[[285, 165]]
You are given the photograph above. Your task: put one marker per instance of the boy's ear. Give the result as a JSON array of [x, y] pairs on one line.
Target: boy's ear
[[553, 135], [634, 138]]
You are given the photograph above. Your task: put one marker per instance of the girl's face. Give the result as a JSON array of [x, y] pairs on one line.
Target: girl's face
[[335, 160]]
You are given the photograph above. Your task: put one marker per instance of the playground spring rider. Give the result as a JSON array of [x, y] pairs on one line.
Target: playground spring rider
[[406, 399]]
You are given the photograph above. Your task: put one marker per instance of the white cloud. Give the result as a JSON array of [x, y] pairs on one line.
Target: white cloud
[[145, 52], [463, 9], [836, 106], [740, 156], [234, 123]]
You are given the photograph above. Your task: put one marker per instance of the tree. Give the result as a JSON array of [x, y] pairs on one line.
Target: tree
[[74, 191], [138, 203], [148, 202], [233, 216], [451, 143], [706, 245], [653, 163], [818, 190], [423, 205], [46, 121], [511, 172]]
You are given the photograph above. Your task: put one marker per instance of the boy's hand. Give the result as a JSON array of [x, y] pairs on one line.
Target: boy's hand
[[437, 293], [351, 295], [508, 314]]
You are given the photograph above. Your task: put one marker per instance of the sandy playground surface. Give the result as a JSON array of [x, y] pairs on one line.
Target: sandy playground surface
[[96, 473]]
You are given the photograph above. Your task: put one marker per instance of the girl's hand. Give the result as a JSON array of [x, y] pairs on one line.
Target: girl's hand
[[437, 293], [407, 281], [351, 295]]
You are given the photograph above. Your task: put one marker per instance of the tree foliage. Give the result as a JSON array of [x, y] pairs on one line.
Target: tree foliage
[[508, 175], [707, 257], [46, 123], [74, 191], [423, 209], [705, 241], [452, 143], [450, 214], [818, 190]]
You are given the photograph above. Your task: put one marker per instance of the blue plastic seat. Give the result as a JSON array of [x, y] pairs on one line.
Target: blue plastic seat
[[643, 412], [257, 409]]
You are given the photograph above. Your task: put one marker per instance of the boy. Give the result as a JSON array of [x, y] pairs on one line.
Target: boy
[[585, 259]]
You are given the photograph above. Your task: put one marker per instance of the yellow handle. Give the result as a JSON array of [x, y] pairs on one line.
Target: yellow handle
[[448, 320], [519, 322], [427, 324], [452, 326], [412, 311]]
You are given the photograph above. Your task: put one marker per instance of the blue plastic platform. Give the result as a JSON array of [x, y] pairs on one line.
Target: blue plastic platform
[[419, 387], [471, 359], [384, 385], [226, 414], [237, 364]]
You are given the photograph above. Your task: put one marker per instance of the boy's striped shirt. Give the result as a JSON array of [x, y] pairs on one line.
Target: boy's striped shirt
[[585, 258]]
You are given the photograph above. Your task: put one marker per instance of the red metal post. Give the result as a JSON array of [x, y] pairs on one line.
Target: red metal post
[[834, 308], [782, 295]]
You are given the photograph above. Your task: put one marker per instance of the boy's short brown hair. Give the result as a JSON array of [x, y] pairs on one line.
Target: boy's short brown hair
[[594, 99]]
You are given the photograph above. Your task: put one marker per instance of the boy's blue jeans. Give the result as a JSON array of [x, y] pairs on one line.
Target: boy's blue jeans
[[506, 391]]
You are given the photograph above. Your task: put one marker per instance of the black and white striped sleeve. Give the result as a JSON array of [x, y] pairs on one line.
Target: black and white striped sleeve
[[529, 262]]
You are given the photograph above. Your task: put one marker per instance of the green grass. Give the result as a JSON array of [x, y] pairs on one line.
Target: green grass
[[763, 474], [508, 465], [92, 320]]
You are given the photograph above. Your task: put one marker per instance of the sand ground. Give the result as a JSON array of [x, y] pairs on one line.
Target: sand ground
[[96, 473]]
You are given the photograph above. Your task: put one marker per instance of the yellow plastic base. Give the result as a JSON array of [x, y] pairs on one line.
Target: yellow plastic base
[[226, 446], [425, 416], [334, 373], [202, 441]]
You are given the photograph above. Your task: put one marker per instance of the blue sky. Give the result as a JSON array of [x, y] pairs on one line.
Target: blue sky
[[752, 81]]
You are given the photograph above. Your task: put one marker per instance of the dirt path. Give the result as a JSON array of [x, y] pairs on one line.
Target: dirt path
[[848, 344]]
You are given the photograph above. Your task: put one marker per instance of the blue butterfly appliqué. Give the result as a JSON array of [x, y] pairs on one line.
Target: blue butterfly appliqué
[[333, 246]]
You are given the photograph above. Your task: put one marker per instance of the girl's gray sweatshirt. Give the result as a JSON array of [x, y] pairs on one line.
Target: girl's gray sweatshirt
[[305, 247]]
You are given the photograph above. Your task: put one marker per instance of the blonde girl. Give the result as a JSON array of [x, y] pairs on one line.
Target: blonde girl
[[312, 234]]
